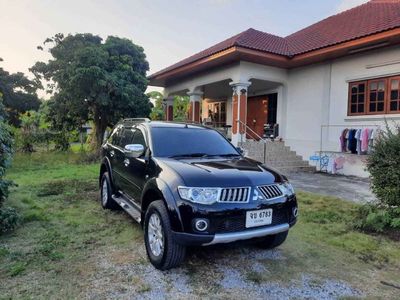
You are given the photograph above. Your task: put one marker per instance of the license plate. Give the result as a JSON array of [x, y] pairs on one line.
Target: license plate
[[258, 217]]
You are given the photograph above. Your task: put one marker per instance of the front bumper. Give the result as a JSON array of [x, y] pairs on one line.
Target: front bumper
[[221, 238]]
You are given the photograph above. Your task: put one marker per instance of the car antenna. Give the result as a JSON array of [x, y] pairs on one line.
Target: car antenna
[[186, 125]]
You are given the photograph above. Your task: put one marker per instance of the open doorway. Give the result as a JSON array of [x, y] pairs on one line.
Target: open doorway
[[261, 112]]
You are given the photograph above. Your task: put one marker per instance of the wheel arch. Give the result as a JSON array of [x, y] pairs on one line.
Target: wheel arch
[[106, 167], [157, 189]]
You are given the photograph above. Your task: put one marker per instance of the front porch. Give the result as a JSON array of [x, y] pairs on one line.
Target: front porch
[[240, 110]]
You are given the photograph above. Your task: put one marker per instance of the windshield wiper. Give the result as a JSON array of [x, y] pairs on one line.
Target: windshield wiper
[[190, 155], [228, 155]]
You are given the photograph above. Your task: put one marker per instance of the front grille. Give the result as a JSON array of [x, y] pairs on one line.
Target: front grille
[[270, 191], [238, 223], [234, 195]]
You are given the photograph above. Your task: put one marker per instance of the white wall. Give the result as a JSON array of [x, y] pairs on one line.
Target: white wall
[[310, 96], [306, 107], [318, 94]]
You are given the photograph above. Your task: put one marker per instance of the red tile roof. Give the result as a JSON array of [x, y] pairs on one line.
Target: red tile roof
[[370, 18]]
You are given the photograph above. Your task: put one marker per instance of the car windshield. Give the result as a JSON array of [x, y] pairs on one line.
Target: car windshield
[[189, 142]]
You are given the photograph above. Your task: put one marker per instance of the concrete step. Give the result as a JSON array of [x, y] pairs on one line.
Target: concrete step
[[288, 163], [278, 156], [288, 170]]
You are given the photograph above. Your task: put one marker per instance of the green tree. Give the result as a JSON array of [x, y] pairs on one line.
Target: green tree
[[19, 94], [157, 112], [105, 81]]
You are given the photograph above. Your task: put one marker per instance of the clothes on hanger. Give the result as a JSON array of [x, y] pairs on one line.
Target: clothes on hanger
[[357, 140]]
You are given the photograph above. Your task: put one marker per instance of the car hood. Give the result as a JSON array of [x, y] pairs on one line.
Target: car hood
[[237, 172]]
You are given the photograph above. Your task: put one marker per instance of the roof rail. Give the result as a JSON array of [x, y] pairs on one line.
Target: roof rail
[[132, 121]]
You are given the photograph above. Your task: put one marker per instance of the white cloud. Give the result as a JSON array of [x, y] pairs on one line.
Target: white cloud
[[347, 4]]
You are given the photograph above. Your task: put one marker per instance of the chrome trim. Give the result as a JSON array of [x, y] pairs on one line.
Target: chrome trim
[[221, 238], [232, 193], [270, 191]]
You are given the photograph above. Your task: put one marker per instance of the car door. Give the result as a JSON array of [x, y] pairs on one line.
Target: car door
[[113, 155], [136, 168], [121, 159]]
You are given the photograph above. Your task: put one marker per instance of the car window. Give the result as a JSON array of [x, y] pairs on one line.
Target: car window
[[139, 138], [115, 136], [186, 141], [126, 137]]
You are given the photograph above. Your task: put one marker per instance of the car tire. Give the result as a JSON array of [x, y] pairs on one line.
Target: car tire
[[164, 253], [107, 202], [272, 241]]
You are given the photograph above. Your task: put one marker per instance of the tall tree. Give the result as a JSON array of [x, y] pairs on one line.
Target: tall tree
[[19, 94], [106, 80]]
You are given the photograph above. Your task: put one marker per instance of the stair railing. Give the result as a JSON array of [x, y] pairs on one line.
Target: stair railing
[[244, 129]]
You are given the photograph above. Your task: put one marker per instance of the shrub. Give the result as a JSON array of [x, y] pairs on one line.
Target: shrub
[[8, 216], [377, 219], [9, 219], [384, 167], [5, 153]]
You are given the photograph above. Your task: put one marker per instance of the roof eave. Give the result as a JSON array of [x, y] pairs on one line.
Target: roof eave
[[235, 53]]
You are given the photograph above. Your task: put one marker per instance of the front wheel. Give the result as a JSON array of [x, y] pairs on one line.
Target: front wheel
[[164, 253], [272, 241]]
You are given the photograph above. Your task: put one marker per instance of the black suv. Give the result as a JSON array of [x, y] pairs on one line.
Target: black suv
[[187, 185]]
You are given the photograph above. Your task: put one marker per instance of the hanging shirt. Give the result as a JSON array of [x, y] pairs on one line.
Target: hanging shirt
[[343, 140], [352, 144], [371, 134], [358, 141], [364, 140]]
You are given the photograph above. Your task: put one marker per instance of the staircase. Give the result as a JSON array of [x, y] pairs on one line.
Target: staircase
[[277, 156]]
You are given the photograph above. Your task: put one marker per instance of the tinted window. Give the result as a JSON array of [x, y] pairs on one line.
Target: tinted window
[[186, 141], [115, 136], [126, 137], [139, 138]]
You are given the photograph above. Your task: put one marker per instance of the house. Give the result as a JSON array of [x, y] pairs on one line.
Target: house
[[342, 72]]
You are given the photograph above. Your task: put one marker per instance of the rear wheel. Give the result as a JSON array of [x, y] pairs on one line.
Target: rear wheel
[[164, 253], [106, 193], [272, 241]]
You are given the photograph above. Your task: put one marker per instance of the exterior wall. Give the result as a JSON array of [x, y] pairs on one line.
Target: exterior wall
[[318, 95], [309, 97]]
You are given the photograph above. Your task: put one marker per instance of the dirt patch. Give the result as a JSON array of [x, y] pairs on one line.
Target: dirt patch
[[206, 274]]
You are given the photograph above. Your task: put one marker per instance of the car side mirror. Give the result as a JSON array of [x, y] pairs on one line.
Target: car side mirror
[[240, 150], [134, 150]]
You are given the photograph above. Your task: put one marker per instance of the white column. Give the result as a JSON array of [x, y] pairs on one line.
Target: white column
[[239, 111]]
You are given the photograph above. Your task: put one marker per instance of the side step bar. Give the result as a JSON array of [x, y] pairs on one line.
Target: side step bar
[[128, 206]]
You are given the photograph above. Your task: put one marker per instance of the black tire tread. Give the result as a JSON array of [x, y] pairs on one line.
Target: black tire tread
[[111, 204], [175, 253]]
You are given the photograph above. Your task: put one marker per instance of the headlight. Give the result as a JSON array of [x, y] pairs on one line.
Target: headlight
[[200, 195], [286, 188]]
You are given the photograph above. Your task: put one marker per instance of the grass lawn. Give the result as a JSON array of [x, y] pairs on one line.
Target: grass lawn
[[69, 247]]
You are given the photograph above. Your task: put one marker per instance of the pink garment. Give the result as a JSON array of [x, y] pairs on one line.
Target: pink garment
[[364, 140]]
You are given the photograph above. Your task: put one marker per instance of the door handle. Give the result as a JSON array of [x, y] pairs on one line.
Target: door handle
[[112, 153], [126, 162]]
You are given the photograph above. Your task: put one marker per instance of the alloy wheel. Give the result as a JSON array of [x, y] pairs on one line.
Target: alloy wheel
[[155, 235]]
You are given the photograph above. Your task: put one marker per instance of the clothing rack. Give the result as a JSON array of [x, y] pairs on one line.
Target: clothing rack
[[376, 127]]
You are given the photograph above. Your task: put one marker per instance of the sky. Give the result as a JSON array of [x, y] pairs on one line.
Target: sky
[[168, 30]]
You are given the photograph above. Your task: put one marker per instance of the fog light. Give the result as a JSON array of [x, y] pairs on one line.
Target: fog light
[[295, 212], [201, 224]]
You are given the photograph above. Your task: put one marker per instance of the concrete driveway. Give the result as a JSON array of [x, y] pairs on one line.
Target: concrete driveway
[[345, 187]]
